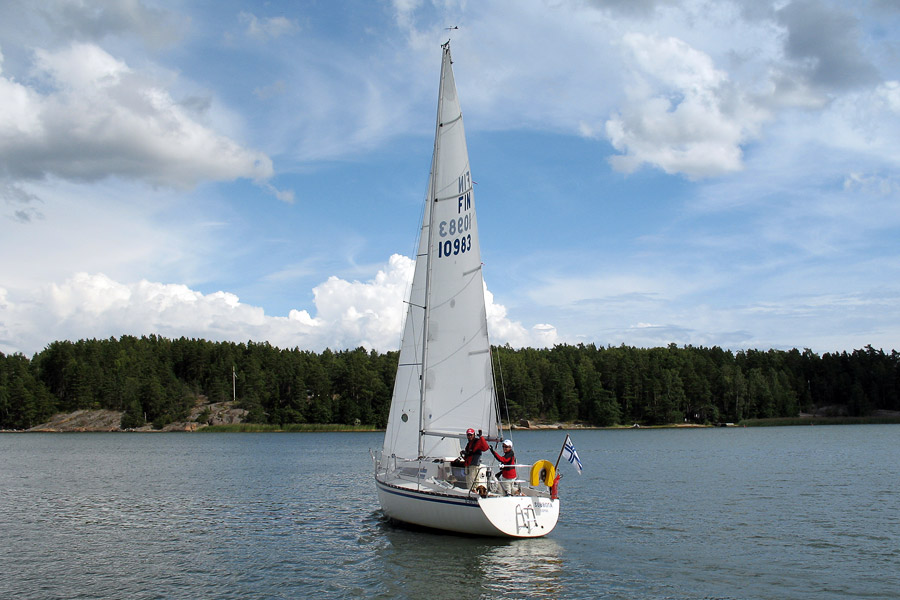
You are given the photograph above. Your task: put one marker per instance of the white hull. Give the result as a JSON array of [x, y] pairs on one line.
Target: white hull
[[533, 514]]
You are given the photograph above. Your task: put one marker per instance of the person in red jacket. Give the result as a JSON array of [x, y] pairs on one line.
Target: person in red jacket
[[472, 456], [508, 471]]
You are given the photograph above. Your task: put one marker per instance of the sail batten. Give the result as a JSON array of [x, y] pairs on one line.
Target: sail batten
[[451, 198]]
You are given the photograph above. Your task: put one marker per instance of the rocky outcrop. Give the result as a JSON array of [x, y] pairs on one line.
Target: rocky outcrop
[[218, 413], [83, 420], [203, 414]]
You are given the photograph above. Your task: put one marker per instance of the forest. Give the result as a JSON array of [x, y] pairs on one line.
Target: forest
[[156, 380]]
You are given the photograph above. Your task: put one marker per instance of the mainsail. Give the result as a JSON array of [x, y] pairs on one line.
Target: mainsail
[[444, 382]]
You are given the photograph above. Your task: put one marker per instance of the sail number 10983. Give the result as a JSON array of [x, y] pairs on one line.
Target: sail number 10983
[[455, 228], [456, 246], [458, 227]]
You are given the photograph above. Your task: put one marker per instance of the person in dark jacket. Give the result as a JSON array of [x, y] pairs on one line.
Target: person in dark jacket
[[475, 446], [508, 470]]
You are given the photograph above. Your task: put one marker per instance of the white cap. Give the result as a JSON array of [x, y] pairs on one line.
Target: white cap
[[507, 443]]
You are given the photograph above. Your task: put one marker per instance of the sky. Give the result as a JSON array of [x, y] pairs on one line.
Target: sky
[[648, 172]]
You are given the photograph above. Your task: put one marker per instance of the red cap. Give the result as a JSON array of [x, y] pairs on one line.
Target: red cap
[[470, 430]]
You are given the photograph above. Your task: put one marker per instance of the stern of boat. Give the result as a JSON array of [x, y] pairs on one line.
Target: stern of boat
[[521, 516]]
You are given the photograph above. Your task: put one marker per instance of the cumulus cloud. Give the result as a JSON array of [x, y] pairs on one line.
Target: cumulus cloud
[[91, 116], [95, 306], [348, 314], [682, 114]]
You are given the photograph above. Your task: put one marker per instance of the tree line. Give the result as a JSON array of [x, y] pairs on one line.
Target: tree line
[[156, 380]]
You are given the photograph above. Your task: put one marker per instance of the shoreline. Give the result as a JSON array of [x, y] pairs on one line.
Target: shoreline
[[224, 418]]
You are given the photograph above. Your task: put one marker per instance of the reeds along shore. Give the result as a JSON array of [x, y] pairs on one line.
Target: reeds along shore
[[794, 421], [288, 427]]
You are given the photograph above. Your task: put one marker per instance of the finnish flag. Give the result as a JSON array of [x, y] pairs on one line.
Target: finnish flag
[[571, 455]]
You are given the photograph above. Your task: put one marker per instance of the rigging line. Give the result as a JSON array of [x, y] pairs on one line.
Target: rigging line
[[409, 282], [500, 374], [502, 389]]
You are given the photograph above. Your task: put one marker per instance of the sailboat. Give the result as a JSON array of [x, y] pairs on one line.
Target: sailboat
[[445, 383]]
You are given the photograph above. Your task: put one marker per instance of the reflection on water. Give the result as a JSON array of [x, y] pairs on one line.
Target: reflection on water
[[420, 563], [529, 568]]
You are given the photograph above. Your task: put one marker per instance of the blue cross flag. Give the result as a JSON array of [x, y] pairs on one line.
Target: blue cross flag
[[571, 455]]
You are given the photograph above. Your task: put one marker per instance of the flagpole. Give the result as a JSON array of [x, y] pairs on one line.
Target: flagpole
[[556, 466]]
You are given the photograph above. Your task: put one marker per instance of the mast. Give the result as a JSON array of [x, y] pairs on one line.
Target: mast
[[432, 200]]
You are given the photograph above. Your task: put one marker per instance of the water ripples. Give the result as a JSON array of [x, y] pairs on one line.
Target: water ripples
[[684, 514]]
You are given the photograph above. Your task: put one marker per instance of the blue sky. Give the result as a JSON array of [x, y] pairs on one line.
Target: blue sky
[[648, 172]]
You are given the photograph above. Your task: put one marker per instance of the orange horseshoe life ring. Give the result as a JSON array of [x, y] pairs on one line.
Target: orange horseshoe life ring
[[543, 472]]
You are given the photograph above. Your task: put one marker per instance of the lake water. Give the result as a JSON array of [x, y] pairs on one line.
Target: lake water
[[794, 512]]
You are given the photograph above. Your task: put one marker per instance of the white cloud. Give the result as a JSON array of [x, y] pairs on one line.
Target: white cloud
[[94, 117], [348, 314], [365, 313], [682, 114]]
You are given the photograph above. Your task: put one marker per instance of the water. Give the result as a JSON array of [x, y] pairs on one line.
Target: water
[[803, 512]]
